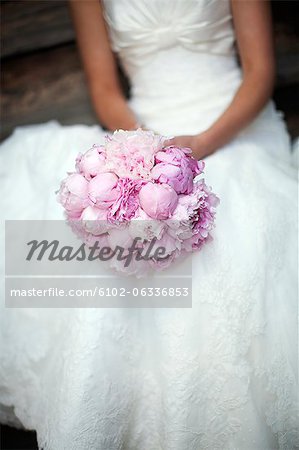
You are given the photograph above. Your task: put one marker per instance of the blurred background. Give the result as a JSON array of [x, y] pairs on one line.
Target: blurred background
[[42, 78]]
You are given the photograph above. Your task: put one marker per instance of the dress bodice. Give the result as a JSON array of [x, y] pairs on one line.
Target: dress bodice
[[179, 56], [139, 28]]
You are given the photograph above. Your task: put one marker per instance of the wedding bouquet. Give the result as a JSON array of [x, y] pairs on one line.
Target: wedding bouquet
[[138, 197]]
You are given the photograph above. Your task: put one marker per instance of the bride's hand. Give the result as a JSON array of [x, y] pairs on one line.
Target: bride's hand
[[199, 144]]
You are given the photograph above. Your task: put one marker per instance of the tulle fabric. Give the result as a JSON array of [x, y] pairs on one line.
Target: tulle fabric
[[222, 375]]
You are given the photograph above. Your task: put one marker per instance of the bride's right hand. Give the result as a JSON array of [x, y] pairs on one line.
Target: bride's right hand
[[100, 66], [114, 113]]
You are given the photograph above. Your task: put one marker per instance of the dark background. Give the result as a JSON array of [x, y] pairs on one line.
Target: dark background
[[42, 79]]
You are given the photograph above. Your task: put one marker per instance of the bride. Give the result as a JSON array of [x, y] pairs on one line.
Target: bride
[[219, 375]]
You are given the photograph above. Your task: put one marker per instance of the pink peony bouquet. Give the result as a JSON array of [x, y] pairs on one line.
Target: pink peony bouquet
[[135, 194]]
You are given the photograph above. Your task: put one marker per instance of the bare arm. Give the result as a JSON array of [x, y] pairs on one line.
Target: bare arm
[[100, 66], [252, 21]]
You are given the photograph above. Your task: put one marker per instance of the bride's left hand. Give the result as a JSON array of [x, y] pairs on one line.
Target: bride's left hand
[[199, 144]]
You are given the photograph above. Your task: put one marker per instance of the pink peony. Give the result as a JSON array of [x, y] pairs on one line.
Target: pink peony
[[168, 242], [164, 263], [92, 162], [158, 200], [131, 153], [73, 194], [127, 202], [94, 220], [178, 177], [74, 215], [120, 237], [103, 190], [194, 216], [177, 168], [101, 240], [145, 227]]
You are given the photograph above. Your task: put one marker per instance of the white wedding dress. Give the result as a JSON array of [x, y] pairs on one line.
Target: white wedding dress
[[219, 375]]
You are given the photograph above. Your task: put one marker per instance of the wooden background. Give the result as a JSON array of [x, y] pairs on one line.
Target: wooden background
[[42, 77]]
